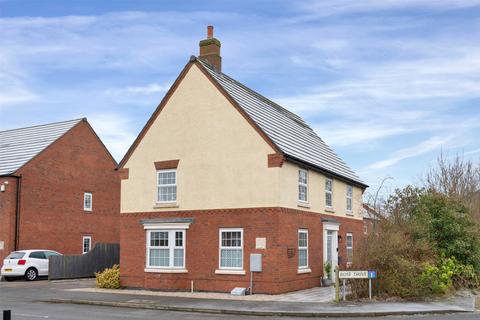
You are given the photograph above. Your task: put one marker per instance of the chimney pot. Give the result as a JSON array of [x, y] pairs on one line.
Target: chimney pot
[[209, 32]]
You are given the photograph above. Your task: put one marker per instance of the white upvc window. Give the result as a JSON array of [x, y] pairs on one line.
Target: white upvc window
[[165, 249], [302, 249], [167, 186], [329, 193], [86, 244], [231, 249], [87, 201], [349, 243], [349, 198], [302, 185]]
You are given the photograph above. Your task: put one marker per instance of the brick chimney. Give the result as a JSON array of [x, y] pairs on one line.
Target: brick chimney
[[210, 50]]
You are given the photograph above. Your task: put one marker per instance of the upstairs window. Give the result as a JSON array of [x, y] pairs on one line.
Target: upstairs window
[[166, 186], [349, 249], [231, 249], [302, 249], [329, 193], [302, 185], [87, 201], [349, 198]]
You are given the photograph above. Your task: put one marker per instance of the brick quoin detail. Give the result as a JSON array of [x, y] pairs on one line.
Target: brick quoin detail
[[168, 164], [123, 174], [52, 189], [275, 160], [278, 225]]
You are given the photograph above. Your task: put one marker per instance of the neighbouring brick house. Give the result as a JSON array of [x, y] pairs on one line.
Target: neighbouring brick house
[[58, 189], [220, 172]]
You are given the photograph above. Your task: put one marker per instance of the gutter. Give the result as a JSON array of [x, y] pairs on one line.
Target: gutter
[[324, 171]]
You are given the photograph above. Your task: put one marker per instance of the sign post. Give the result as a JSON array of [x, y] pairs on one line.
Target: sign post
[[363, 274], [337, 285], [372, 274]]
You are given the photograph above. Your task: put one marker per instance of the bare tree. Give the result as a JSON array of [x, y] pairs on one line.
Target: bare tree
[[458, 178]]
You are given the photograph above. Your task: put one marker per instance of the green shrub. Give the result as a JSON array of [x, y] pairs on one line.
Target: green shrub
[[108, 278], [437, 279], [447, 225], [426, 244], [465, 276], [446, 275]]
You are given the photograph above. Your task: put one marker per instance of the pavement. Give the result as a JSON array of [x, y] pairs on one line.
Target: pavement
[[55, 296], [318, 294]]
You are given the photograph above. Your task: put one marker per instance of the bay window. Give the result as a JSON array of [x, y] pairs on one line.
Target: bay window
[[166, 249]]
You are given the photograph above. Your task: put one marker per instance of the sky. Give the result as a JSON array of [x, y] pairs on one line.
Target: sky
[[388, 84]]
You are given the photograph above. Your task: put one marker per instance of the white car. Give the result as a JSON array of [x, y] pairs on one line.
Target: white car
[[29, 264]]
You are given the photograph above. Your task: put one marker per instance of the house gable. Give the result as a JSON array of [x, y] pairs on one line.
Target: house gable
[[222, 157]]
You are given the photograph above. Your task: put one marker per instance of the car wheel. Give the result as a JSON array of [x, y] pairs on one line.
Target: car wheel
[[8, 279], [31, 274]]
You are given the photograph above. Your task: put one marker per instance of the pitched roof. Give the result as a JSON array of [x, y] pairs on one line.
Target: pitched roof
[[18, 146], [289, 132]]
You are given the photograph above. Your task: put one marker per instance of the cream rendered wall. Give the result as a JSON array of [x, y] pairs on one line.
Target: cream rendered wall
[[316, 193], [223, 160]]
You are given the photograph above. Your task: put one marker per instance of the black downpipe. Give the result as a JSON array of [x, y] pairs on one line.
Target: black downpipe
[[17, 214]]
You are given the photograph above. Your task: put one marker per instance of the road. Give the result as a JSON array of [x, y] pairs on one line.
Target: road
[[20, 297]]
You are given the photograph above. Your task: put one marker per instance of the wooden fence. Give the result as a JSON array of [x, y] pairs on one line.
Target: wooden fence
[[102, 256]]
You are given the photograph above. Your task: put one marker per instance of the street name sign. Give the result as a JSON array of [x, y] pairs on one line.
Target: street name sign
[[353, 274]]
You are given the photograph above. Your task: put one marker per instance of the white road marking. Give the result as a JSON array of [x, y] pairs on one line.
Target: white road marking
[[30, 316]]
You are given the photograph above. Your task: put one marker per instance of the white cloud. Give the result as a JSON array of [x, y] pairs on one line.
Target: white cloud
[[115, 130], [148, 89], [334, 7], [426, 146]]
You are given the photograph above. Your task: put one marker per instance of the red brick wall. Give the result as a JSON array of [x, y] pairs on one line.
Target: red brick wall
[[52, 189], [8, 200], [278, 225]]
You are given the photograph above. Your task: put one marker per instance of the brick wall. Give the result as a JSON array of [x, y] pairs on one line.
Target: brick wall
[[8, 200], [52, 189], [278, 225]]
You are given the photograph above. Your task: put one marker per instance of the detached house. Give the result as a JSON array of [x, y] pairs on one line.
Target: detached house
[[220, 172], [58, 189]]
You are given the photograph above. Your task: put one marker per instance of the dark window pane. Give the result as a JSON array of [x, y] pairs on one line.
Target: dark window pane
[[15, 255], [38, 255]]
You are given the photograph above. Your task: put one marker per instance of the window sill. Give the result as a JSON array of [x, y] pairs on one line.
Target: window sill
[[230, 272], [306, 270], [165, 205], [327, 209], [166, 270], [350, 213], [303, 205]]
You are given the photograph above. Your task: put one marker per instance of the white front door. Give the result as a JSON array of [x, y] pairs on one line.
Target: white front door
[[330, 247]]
